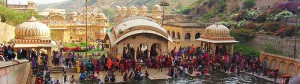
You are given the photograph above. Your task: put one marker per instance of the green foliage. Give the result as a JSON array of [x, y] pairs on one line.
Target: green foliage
[[246, 49], [248, 4], [282, 15], [241, 24], [243, 35], [183, 9], [270, 48], [236, 9], [251, 14], [15, 18]]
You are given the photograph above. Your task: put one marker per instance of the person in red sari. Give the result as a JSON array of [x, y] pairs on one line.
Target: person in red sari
[[133, 64], [117, 63], [217, 58], [139, 68]]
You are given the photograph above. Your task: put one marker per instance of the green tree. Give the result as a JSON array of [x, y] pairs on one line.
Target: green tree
[[14, 17], [248, 4]]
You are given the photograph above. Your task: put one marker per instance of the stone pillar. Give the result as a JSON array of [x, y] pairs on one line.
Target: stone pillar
[[232, 48], [148, 53], [135, 51], [50, 56], [213, 48]]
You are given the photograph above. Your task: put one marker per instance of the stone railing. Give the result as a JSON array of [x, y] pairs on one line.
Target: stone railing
[[14, 72], [286, 65]]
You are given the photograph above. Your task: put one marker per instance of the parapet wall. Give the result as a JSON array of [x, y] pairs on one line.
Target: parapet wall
[[13, 72], [286, 65]]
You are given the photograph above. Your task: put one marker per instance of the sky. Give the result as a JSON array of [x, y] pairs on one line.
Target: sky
[[37, 1]]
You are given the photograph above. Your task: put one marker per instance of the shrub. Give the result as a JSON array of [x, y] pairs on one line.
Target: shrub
[[243, 35], [246, 49], [290, 6], [282, 15], [270, 48], [285, 30], [251, 25], [251, 14], [270, 26], [247, 4], [241, 24]]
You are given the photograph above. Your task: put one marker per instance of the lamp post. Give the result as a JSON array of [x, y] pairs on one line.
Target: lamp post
[[163, 3], [296, 31], [86, 28]]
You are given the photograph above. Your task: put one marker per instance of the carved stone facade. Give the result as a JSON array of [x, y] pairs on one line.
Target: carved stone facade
[[74, 28]]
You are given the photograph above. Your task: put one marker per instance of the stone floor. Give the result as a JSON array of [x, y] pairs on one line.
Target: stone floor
[[153, 75]]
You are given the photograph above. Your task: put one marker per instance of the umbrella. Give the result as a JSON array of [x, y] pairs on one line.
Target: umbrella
[[295, 80]]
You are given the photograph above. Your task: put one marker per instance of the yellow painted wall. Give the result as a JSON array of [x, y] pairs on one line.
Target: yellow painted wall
[[7, 32]]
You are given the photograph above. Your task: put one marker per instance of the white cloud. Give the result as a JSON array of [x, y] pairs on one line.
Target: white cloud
[[37, 1]]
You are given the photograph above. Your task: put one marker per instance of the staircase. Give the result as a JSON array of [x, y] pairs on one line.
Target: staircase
[[57, 69]]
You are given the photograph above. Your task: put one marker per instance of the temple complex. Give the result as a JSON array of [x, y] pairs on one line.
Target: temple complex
[[134, 25]]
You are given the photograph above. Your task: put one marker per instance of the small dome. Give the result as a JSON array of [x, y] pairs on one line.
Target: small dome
[[101, 15], [156, 8], [144, 8], [124, 8], [32, 29], [217, 30], [74, 13], [118, 8], [132, 8]]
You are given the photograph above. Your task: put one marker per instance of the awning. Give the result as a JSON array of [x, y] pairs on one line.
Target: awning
[[217, 41], [53, 44]]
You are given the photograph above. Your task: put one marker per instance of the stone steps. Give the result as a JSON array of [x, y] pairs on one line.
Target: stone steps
[[57, 69]]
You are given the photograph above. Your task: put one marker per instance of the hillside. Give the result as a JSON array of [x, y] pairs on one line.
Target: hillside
[[219, 10], [76, 5]]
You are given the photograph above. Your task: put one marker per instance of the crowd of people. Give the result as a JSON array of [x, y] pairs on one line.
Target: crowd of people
[[7, 51], [181, 62]]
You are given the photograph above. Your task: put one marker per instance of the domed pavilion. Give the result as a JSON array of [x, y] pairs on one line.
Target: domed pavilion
[[34, 35], [217, 39]]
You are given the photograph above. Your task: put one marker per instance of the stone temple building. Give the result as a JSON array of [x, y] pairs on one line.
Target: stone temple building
[[141, 33], [66, 28], [217, 39], [34, 35], [138, 32], [30, 6]]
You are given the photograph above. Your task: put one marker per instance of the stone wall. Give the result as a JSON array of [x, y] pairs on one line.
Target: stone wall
[[7, 32], [285, 64], [14, 73], [287, 44]]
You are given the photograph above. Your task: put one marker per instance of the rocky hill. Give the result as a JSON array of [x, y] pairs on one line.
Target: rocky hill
[[77, 5], [219, 10]]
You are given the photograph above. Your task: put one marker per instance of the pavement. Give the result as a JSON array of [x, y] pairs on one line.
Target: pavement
[[154, 74]]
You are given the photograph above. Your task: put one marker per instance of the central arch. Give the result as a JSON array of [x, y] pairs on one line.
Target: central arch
[[144, 34]]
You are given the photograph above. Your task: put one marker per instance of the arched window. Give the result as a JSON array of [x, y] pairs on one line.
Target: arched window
[[173, 34], [178, 35], [197, 35], [187, 36]]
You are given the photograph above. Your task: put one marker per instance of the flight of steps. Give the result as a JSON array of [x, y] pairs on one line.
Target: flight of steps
[[57, 69]]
